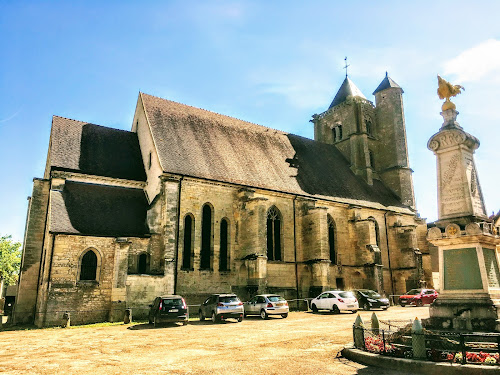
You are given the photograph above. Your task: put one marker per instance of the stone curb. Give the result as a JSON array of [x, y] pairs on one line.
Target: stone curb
[[414, 366]]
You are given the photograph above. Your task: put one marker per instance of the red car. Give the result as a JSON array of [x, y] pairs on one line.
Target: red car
[[418, 297]]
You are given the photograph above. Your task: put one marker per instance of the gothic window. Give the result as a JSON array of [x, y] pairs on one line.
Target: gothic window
[[206, 238], [88, 270], [340, 132], [377, 230], [273, 234], [334, 133], [332, 240], [372, 159], [149, 161], [187, 250], [224, 253], [143, 263], [369, 127]]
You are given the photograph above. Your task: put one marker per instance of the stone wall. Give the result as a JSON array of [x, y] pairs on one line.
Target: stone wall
[[250, 272], [142, 290], [32, 252], [86, 301]]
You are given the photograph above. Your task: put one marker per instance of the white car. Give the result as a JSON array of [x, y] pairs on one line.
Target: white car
[[335, 301]]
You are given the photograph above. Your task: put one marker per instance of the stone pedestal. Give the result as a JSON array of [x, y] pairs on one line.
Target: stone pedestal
[[469, 261], [468, 245]]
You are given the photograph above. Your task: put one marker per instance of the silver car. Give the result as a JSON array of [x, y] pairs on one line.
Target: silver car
[[267, 304], [220, 307]]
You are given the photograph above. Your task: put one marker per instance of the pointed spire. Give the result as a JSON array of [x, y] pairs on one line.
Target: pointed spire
[[348, 88], [387, 83]]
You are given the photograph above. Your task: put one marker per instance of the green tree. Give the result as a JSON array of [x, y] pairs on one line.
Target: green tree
[[10, 259]]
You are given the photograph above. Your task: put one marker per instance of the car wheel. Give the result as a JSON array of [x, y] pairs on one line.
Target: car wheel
[[155, 323], [240, 319], [314, 308], [202, 317], [419, 303], [335, 309], [401, 304], [149, 320], [214, 317], [284, 315], [184, 322], [366, 306], [263, 314]]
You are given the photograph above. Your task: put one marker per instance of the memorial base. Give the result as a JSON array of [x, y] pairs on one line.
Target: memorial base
[[465, 313]]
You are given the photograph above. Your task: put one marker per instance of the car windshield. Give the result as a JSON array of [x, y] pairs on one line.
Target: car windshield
[[170, 302], [228, 299], [346, 295], [275, 298], [414, 291], [371, 293]]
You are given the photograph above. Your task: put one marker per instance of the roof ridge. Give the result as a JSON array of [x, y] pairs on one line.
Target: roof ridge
[[67, 118], [219, 114], [91, 123]]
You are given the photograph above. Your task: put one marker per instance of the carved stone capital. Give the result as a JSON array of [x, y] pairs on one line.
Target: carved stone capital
[[452, 137]]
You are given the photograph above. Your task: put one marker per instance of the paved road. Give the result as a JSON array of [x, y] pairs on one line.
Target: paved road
[[303, 343]]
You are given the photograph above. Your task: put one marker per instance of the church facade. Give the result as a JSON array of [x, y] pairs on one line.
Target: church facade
[[192, 202]]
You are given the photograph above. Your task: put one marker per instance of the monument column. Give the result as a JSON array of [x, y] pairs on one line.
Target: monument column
[[466, 240]]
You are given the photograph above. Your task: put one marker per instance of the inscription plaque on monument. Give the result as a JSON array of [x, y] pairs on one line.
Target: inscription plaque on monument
[[492, 271], [461, 269], [452, 185]]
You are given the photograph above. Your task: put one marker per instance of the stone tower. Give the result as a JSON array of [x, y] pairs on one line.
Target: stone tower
[[392, 163], [371, 137]]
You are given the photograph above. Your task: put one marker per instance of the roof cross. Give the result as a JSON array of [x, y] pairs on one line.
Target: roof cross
[[346, 65]]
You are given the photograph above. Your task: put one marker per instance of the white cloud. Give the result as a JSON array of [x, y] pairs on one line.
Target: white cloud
[[476, 62]]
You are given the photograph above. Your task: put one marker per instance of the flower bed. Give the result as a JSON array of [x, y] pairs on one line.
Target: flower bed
[[481, 357], [375, 344]]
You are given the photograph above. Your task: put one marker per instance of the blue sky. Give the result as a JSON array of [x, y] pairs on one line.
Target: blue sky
[[274, 63]]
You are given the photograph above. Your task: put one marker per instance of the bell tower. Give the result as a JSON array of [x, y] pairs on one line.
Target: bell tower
[[344, 125], [392, 164], [371, 137]]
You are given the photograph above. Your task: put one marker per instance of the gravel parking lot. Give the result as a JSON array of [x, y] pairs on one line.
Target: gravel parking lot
[[303, 343]]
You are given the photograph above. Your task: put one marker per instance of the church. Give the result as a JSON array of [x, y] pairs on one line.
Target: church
[[192, 202]]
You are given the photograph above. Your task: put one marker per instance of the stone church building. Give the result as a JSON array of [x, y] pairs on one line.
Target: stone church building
[[193, 202]]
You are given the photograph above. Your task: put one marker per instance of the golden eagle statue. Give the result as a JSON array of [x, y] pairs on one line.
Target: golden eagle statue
[[446, 90]]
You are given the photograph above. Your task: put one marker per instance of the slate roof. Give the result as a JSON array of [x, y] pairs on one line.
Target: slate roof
[[97, 150], [348, 88], [195, 142], [386, 83], [99, 210]]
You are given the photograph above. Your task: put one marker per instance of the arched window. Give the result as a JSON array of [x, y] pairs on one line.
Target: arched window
[[206, 238], [187, 251], [224, 253], [88, 270], [372, 160], [273, 234], [332, 240], [143, 263], [369, 127], [340, 132], [334, 133], [377, 230]]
